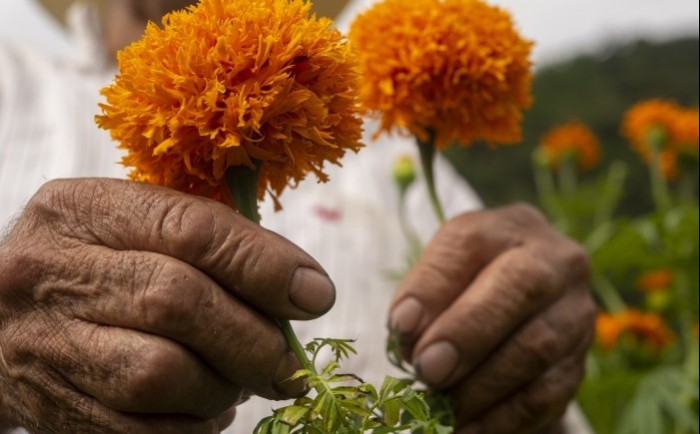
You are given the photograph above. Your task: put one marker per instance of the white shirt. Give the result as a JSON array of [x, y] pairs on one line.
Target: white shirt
[[349, 225]]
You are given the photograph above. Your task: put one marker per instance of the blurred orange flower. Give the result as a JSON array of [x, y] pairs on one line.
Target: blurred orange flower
[[572, 138], [656, 280], [640, 120], [676, 127], [234, 83], [455, 69], [686, 131], [646, 328]]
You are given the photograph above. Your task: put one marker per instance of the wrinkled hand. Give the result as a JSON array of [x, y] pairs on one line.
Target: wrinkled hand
[[131, 308], [499, 311]]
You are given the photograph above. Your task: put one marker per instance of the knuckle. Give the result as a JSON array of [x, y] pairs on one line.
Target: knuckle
[[541, 347], [525, 214], [49, 194], [148, 378], [465, 231], [170, 294], [186, 226], [534, 277], [576, 259], [64, 198]]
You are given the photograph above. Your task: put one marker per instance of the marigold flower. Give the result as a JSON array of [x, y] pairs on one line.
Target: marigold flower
[[686, 131], [675, 126], [572, 138], [640, 120], [608, 330], [646, 328], [656, 280], [235, 83], [455, 69]]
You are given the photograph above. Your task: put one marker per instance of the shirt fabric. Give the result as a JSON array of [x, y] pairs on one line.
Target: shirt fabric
[[350, 225]]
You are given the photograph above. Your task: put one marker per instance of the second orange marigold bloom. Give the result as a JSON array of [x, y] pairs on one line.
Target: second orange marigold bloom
[[573, 138]]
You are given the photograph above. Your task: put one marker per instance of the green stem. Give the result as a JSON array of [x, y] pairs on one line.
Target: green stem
[[686, 318], [296, 345], [427, 158], [659, 186], [612, 192], [687, 188], [412, 239], [609, 296], [567, 175], [545, 189], [242, 183]]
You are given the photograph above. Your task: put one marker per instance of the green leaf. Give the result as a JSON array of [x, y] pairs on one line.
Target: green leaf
[[293, 414], [392, 411]]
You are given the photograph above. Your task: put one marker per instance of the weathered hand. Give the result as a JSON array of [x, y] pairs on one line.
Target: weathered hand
[[131, 308], [499, 311]]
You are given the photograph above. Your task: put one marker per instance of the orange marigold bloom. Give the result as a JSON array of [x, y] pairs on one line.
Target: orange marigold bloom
[[640, 120], [230, 83], [575, 138], [647, 328], [657, 280], [678, 127], [686, 131], [608, 330], [457, 69]]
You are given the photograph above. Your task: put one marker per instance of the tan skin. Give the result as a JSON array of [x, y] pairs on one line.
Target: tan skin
[[126, 307]]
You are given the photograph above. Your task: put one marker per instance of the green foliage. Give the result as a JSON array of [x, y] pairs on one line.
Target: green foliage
[[641, 385], [344, 404]]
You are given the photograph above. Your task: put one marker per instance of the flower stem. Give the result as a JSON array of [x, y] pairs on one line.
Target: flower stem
[[427, 158], [609, 295], [296, 345], [546, 191], [659, 186], [685, 317], [612, 192], [242, 184], [567, 176]]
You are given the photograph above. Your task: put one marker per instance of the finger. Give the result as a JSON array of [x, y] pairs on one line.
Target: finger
[[542, 343], [136, 372], [256, 265], [534, 407], [458, 252], [515, 286], [52, 405], [159, 295], [226, 418], [486, 313]]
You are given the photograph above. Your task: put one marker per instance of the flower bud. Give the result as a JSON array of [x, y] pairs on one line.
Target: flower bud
[[404, 172]]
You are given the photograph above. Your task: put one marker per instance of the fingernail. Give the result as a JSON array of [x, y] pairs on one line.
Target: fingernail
[[437, 362], [283, 383], [312, 291], [406, 317]]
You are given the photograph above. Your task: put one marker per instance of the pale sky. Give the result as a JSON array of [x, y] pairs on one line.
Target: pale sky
[[561, 28]]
